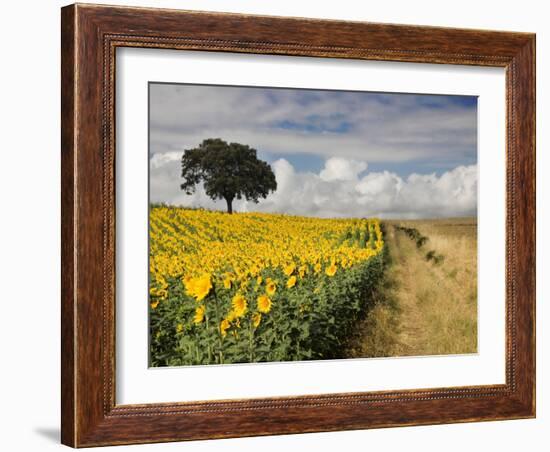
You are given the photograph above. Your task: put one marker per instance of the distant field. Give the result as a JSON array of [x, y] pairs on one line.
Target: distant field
[[428, 305]]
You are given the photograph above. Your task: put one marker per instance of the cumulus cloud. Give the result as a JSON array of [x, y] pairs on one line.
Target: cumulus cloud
[[161, 159], [337, 168], [342, 188]]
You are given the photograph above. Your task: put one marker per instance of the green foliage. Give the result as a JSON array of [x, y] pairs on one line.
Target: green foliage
[[312, 320], [413, 234], [420, 240], [228, 170], [433, 256]]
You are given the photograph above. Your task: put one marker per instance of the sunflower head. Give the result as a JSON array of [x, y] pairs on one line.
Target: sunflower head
[[264, 304], [256, 319], [331, 269], [231, 316], [291, 282], [199, 287], [224, 326], [199, 315], [239, 305], [227, 283], [289, 269], [270, 288]]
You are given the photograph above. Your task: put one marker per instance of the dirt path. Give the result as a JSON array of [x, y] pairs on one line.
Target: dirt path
[[420, 310], [406, 265]]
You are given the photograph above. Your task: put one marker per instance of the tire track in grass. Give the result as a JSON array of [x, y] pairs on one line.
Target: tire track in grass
[[406, 267], [419, 310]]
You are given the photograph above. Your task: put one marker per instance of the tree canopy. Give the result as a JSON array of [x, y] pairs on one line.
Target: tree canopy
[[228, 171]]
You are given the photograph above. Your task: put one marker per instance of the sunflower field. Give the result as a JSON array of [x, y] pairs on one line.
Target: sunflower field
[[256, 287]]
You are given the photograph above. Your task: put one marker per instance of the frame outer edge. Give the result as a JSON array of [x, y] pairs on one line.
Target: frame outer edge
[[525, 62], [86, 420], [68, 229], [534, 230]]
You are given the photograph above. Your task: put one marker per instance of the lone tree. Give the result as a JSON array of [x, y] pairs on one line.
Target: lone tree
[[228, 171]]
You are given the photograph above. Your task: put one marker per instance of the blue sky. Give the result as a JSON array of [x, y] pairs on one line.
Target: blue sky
[[364, 135]]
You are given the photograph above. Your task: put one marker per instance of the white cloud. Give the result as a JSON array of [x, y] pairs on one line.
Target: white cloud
[[338, 191], [159, 160], [380, 189], [337, 168]]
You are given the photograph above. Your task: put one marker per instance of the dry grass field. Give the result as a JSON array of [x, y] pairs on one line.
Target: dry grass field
[[427, 306]]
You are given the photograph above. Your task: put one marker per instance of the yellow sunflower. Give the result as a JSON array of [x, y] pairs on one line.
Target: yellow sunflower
[[331, 269], [264, 304], [199, 315], [289, 269], [231, 316], [224, 326], [256, 319], [227, 282], [291, 282], [239, 305], [270, 288], [199, 287]]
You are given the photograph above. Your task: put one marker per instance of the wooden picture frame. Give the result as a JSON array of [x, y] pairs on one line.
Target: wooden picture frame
[[90, 35]]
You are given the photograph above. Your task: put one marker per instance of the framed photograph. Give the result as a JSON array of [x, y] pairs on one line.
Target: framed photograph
[[282, 225]]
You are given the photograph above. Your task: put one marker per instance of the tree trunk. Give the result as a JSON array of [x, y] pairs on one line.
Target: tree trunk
[[229, 202]]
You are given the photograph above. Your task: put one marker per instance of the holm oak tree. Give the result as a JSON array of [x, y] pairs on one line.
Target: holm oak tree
[[228, 171]]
